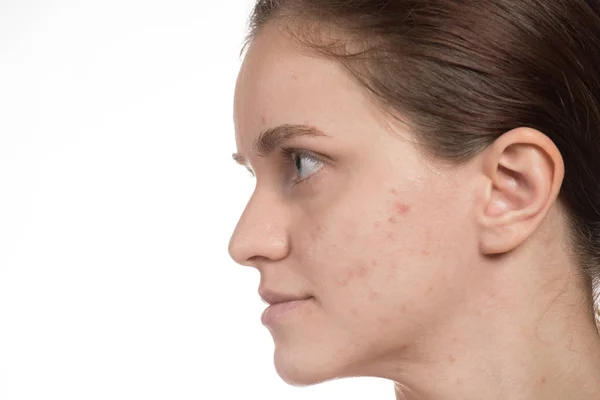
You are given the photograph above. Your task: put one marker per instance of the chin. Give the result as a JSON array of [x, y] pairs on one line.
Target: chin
[[309, 367], [296, 375]]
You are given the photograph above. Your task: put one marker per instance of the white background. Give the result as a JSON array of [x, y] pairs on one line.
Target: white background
[[118, 196]]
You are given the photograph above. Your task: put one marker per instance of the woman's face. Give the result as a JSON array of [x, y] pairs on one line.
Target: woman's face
[[379, 237]]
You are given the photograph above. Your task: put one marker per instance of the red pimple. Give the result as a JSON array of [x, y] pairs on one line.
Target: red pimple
[[401, 208]]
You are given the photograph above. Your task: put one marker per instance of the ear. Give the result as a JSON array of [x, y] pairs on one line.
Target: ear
[[523, 172]]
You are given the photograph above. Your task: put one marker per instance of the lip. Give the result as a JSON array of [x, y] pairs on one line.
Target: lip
[[272, 297], [277, 311]]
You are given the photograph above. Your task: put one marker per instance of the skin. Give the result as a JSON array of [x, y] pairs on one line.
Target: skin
[[451, 281]]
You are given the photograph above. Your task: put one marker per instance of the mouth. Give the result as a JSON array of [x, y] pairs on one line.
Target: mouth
[[278, 311], [273, 297]]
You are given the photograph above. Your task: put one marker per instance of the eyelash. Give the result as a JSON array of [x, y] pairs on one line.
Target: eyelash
[[289, 153]]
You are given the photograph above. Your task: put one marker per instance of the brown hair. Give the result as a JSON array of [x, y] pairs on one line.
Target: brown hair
[[463, 72]]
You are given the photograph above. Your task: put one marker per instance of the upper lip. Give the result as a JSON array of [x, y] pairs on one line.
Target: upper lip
[[273, 297]]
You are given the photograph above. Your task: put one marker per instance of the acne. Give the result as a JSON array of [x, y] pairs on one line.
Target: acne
[[352, 273], [373, 296], [347, 276], [401, 208], [398, 208]]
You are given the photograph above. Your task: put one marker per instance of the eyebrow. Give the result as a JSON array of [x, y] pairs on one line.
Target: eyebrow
[[271, 138]]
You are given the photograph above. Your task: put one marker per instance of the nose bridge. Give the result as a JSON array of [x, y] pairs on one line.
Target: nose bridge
[[260, 231]]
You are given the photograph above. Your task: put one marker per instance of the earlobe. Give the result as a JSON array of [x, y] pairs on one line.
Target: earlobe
[[523, 170]]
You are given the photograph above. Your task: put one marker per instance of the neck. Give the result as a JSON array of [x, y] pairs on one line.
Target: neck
[[541, 346]]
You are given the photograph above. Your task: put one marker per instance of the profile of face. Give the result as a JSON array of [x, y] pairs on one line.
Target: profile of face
[[347, 211]]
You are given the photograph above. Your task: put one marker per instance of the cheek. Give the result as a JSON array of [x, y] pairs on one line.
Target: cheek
[[358, 251], [373, 260]]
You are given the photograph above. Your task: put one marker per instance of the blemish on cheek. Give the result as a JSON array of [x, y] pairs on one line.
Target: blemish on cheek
[[425, 252], [348, 275], [543, 380], [384, 320], [394, 191], [373, 296], [429, 290], [352, 273], [451, 358], [392, 219], [362, 271], [401, 208]]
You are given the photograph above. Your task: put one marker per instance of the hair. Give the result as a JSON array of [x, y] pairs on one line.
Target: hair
[[463, 72]]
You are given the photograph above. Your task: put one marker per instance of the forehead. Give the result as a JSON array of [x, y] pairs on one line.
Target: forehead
[[280, 83]]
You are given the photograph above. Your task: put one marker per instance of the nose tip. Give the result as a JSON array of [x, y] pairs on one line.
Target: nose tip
[[255, 241], [261, 232], [235, 250]]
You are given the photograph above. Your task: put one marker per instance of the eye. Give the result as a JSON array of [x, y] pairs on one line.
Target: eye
[[305, 163]]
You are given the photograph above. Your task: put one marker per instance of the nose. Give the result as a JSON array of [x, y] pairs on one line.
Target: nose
[[260, 233]]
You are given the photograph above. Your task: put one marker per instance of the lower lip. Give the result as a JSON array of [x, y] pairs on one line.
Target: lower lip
[[276, 312]]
